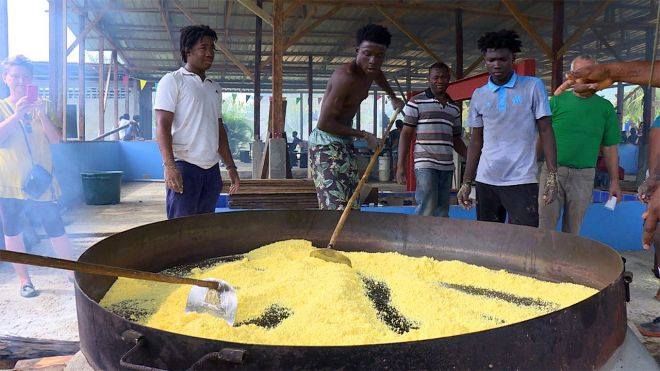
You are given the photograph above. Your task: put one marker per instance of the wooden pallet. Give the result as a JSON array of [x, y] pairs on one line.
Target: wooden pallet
[[274, 194]]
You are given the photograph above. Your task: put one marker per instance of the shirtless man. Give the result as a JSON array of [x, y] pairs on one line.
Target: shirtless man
[[334, 166]]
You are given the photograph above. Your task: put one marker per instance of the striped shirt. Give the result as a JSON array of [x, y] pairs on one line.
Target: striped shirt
[[436, 126]]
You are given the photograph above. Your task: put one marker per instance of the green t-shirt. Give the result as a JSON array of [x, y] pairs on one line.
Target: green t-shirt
[[582, 126]]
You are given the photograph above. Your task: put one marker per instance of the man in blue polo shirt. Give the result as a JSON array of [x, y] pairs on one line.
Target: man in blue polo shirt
[[505, 116]]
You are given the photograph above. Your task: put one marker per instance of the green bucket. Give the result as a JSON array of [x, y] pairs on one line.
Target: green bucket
[[102, 187]]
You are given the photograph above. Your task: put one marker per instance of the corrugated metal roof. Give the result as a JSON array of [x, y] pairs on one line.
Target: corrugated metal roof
[[138, 30]]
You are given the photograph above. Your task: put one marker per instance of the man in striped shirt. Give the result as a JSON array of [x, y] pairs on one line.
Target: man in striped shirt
[[436, 120]]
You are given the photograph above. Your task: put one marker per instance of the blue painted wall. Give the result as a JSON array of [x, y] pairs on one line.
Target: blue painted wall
[[628, 158], [138, 161], [621, 229]]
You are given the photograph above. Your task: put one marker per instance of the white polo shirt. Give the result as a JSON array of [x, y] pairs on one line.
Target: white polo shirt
[[197, 106]]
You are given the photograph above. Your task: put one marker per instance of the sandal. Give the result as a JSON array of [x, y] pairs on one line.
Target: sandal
[[28, 291]]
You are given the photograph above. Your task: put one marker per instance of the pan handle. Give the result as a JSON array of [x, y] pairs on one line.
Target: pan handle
[[225, 355]]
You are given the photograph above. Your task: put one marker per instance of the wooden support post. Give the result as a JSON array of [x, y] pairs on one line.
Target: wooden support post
[[101, 86], [4, 43], [127, 94], [375, 123], [459, 44], [408, 78], [278, 50], [619, 103], [81, 77], [557, 42], [310, 94], [302, 31], [257, 76], [63, 71], [647, 118], [531, 30], [55, 52], [115, 91], [302, 124]]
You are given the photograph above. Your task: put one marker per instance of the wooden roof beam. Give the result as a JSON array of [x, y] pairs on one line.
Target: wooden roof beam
[[531, 31], [88, 28], [105, 34], [304, 30], [474, 65], [258, 11], [410, 35], [607, 45], [237, 62], [578, 33], [228, 8], [164, 18]]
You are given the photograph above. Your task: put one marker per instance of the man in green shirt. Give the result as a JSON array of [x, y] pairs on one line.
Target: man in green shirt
[[582, 123]]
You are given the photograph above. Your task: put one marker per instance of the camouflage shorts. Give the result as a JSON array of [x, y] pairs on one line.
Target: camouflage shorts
[[335, 173]]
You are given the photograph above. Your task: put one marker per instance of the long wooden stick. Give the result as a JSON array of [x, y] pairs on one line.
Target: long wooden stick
[[365, 176], [99, 269]]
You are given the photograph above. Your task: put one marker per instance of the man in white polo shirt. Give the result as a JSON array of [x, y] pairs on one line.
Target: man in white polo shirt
[[505, 116], [191, 135]]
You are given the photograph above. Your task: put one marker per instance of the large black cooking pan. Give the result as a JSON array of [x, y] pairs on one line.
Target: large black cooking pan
[[578, 337]]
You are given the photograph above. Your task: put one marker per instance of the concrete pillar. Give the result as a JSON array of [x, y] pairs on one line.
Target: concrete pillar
[[56, 52], [146, 109], [257, 156], [277, 158]]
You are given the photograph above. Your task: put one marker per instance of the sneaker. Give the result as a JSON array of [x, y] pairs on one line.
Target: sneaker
[[650, 329], [28, 291]]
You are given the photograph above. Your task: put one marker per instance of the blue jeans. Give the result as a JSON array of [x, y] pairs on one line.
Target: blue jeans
[[432, 192]]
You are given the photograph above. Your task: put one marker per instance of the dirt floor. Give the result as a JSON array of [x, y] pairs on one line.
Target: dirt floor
[[52, 314]]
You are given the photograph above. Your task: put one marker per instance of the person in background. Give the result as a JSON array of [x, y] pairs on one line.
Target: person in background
[[131, 132], [596, 77], [295, 142], [506, 115], [26, 133], [648, 193], [191, 135], [582, 123], [436, 120], [633, 138]]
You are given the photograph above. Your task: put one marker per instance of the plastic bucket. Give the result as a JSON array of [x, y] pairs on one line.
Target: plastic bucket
[[102, 187]]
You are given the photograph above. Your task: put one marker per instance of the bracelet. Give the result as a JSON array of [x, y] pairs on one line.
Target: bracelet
[[231, 167], [469, 182]]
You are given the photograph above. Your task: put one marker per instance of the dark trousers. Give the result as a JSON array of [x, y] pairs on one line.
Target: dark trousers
[[201, 188], [519, 202]]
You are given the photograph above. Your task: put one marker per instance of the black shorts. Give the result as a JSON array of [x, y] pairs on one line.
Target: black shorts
[[517, 202], [14, 211]]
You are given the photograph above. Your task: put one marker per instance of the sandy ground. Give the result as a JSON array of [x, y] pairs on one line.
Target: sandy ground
[[52, 314]]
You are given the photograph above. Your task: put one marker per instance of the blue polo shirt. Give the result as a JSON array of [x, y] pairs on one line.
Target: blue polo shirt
[[508, 114]]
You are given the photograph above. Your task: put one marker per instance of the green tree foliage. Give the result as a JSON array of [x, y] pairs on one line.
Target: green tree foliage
[[239, 130]]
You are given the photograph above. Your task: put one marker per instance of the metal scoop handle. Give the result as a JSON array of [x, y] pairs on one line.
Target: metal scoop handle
[[99, 269], [365, 176]]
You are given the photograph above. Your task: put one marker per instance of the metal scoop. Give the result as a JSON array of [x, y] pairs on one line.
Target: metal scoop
[[212, 296]]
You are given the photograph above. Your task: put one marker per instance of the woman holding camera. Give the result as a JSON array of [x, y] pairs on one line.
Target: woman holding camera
[[26, 180]]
